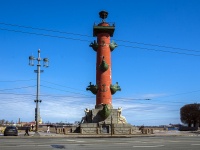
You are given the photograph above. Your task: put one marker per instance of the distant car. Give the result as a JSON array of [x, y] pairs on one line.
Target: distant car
[[10, 131]]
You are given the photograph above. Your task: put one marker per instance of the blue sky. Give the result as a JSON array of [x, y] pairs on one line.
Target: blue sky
[[158, 57]]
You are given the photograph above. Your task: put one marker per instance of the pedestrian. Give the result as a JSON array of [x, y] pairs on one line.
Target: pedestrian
[[48, 129], [56, 128], [32, 127], [26, 131]]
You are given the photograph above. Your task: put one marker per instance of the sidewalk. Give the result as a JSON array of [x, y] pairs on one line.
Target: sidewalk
[[77, 135], [42, 134], [177, 133]]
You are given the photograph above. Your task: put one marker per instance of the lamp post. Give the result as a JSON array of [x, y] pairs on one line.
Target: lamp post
[[38, 71]]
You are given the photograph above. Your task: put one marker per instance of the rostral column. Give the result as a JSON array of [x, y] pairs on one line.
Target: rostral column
[[103, 88]]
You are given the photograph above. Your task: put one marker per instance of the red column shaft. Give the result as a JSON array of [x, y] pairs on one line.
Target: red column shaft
[[103, 79]]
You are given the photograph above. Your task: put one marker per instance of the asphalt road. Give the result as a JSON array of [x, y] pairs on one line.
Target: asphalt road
[[134, 143]]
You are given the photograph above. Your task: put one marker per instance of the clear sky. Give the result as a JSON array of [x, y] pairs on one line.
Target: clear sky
[[158, 57]]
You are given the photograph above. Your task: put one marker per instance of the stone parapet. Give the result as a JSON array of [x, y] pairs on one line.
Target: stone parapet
[[88, 125], [147, 131], [103, 128]]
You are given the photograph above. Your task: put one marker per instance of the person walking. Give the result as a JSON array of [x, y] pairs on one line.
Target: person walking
[[26, 131], [48, 129], [32, 127]]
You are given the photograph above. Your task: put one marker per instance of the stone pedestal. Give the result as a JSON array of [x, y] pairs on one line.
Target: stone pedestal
[[115, 123], [112, 129]]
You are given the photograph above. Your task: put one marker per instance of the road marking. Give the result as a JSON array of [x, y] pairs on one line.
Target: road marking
[[75, 141], [120, 143], [70, 140], [174, 141], [195, 144], [100, 140], [31, 145], [136, 141], [8, 146], [80, 141], [149, 146]]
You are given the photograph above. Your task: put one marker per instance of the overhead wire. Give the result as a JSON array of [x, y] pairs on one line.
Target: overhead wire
[[69, 38], [42, 29], [162, 46], [18, 94], [62, 85], [64, 90], [8, 102], [16, 80], [126, 41], [44, 95], [75, 99], [18, 88], [178, 94], [88, 96], [129, 99], [118, 98], [47, 35], [166, 51]]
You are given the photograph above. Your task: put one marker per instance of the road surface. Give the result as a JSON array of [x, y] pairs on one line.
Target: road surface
[[133, 143]]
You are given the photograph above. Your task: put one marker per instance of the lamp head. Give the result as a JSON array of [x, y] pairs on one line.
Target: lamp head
[[46, 62], [31, 58]]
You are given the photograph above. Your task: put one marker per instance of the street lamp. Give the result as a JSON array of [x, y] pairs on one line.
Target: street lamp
[[38, 71]]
